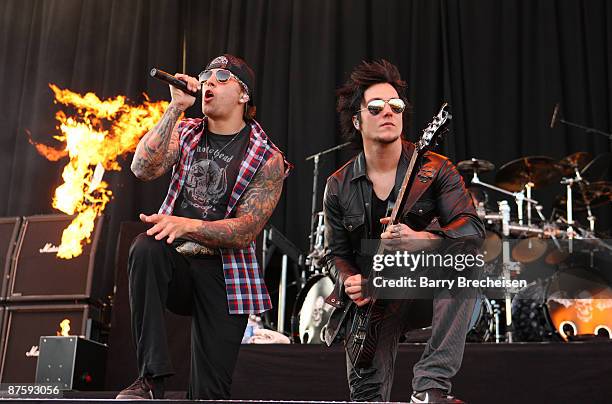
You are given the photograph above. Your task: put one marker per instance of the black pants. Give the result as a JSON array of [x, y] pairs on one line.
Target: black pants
[[160, 278], [443, 352]]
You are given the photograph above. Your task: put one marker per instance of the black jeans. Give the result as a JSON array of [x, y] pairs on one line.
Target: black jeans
[[160, 278], [443, 352]]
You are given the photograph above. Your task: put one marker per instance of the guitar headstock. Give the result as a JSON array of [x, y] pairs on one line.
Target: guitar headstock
[[436, 129]]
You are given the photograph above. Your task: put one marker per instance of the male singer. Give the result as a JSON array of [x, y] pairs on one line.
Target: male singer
[[198, 256]]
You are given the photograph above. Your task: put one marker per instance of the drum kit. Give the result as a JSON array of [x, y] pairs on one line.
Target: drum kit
[[568, 297]]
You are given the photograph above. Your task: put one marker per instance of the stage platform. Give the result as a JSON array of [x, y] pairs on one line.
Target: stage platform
[[577, 372]]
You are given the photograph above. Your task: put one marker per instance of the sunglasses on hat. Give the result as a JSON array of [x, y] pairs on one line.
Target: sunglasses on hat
[[376, 106], [221, 75]]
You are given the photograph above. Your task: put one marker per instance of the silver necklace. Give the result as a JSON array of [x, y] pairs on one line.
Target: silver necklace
[[218, 152]]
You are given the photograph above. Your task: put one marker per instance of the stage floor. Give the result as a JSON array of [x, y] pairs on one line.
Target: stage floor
[[577, 372], [558, 373]]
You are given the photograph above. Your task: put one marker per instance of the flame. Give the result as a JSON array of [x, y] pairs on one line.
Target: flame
[[98, 133], [65, 328]]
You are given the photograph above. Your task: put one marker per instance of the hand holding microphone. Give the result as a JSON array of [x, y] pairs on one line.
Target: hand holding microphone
[[183, 88]]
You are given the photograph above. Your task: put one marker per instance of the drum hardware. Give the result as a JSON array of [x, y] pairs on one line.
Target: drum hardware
[[273, 239], [282, 297], [504, 210], [496, 314], [315, 178], [315, 260], [519, 197], [525, 174], [588, 195], [569, 211]]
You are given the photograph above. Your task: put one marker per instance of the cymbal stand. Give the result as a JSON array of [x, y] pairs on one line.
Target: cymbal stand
[[547, 233], [504, 210], [569, 211], [581, 183], [315, 178], [315, 260], [528, 187]]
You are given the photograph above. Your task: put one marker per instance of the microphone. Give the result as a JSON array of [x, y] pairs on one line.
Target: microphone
[[173, 81], [553, 120]]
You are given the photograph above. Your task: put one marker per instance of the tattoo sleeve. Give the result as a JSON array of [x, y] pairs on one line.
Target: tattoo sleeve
[[158, 150], [252, 212]]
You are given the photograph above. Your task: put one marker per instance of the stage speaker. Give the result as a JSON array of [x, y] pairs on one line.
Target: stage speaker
[[72, 363], [9, 230], [38, 274], [24, 325]]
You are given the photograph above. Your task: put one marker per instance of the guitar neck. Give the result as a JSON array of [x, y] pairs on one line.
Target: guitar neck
[[401, 196]]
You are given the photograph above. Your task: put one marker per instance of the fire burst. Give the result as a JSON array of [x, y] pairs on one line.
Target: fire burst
[[99, 132]]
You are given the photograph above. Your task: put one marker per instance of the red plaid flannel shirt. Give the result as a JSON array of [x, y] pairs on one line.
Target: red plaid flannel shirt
[[244, 281]]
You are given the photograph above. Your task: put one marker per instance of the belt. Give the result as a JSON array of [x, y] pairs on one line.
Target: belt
[[191, 249]]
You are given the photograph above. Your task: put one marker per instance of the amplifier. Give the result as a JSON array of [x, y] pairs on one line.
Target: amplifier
[[38, 274], [24, 325], [9, 230]]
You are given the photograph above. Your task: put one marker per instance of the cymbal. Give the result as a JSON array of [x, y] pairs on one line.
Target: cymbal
[[596, 194], [539, 170], [480, 166], [576, 160], [529, 250]]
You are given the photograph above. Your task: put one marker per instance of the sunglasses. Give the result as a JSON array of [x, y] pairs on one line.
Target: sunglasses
[[376, 106], [221, 75]]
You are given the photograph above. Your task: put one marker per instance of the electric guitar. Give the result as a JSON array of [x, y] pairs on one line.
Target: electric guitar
[[361, 340]]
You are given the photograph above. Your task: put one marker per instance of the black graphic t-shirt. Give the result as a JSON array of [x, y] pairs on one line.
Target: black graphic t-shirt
[[209, 184]]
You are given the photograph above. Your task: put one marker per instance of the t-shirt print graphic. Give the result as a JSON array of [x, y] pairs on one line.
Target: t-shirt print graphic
[[204, 186]]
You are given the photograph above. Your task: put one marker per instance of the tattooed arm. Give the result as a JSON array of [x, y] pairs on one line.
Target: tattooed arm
[[158, 150], [252, 212]]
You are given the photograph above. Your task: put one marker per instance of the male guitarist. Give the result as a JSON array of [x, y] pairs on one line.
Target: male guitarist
[[373, 109]]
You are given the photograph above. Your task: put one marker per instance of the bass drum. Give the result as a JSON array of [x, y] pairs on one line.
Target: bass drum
[[482, 323], [571, 304], [311, 313]]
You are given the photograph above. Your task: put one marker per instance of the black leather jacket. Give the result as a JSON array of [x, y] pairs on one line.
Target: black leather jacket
[[438, 202]]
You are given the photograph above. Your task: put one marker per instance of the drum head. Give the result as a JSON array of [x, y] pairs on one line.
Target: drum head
[[311, 313], [579, 302], [492, 246], [529, 250]]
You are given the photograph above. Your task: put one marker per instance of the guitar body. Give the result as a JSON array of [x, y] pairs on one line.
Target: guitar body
[[362, 338]]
